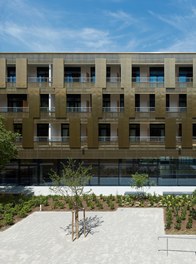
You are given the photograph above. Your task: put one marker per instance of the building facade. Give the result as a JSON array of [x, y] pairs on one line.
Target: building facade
[[119, 112]]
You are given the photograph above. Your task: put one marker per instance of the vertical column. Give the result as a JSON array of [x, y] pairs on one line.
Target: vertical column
[[160, 103], [93, 132], [27, 133], [2, 73], [169, 73], [126, 83], [34, 102], [100, 72], [187, 133], [74, 127], [60, 103], [194, 74], [123, 132], [58, 73], [50, 75], [21, 73], [170, 133], [49, 132]]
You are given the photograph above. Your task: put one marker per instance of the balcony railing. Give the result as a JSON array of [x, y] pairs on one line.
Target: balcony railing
[[79, 109], [144, 139], [113, 109], [52, 139], [184, 82], [113, 79], [42, 82], [145, 109], [175, 109], [14, 109], [47, 109], [82, 79], [108, 139], [148, 82]]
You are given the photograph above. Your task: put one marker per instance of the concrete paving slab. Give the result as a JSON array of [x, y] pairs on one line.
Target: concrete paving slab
[[128, 235]]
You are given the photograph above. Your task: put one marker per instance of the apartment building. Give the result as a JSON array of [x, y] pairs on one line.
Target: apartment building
[[119, 112]]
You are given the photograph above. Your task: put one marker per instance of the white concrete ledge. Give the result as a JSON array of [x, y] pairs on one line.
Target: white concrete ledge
[[105, 190]]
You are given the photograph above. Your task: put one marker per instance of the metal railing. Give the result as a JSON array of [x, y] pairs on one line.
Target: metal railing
[[148, 82], [79, 109], [52, 139], [47, 109], [145, 109], [176, 250], [14, 109], [39, 79], [113, 109], [81, 79], [113, 79], [176, 109], [141, 139], [11, 79], [108, 138]]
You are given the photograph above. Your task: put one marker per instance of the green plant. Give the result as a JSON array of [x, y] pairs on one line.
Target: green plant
[[9, 219], [189, 223], [178, 226], [139, 180]]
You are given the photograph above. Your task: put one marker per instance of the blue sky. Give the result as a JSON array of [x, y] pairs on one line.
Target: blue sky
[[97, 25]]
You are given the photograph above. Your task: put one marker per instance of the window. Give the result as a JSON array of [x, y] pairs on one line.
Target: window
[[11, 74], [72, 74], [65, 132], [185, 74], [136, 74], [156, 74], [104, 132], [42, 74], [106, 102], [73, 102], [42, 132]]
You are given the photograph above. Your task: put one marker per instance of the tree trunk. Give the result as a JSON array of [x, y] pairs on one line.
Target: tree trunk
[[76, 223]]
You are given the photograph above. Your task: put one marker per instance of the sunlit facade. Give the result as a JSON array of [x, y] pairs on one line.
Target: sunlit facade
[[119, 112]]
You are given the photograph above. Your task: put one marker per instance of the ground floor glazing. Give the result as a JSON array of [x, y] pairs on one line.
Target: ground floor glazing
[[163, 171]]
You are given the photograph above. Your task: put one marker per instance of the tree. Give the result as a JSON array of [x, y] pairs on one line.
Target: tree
[[71, 181], [140, 180], [8, 149]]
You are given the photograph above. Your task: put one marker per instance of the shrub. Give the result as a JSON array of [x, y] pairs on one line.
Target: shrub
[[178, 226], [189, 223], [9, 219]]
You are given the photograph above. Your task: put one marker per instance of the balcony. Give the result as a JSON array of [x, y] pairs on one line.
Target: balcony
[[79, 109], [146, 109], [176, 109], [108, 140], [113, 83], [79, 82], [54, 141], [113, 109], [184, 82], [150, 83], [39, 82], [147, 139], [15, 111], [47, 112]]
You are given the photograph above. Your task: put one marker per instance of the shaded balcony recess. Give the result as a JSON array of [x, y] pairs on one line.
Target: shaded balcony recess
[[145, 109], [176, 109], [78, 109], [140, 139], [113, 109], [108, 139]]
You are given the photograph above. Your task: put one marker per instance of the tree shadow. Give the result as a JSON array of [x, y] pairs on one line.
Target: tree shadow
[[91, 225]]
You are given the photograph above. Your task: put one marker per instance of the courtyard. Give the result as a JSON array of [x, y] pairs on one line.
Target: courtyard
[[128, 235]]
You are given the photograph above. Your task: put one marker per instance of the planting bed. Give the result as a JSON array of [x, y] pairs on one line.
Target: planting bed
[[179, 211]]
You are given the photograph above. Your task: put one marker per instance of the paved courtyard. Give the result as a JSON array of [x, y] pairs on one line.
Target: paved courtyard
[[124, 236]]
